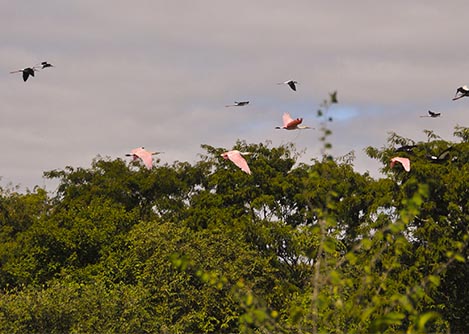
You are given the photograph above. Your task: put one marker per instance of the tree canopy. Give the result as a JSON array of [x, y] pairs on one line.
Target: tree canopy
[[205, 248]]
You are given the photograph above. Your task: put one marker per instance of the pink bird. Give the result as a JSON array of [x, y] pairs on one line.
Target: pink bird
[[292, 124], [403, 161], [237, 158], [144, 155]]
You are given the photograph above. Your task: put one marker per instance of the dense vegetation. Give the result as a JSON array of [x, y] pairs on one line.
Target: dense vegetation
[[205, 248]]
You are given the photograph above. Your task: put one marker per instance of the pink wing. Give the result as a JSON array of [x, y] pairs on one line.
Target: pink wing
[[238, 160], [286, 119], [404, 161], [144, 155]]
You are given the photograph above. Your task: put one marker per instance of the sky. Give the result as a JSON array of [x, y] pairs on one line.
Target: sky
[[158, 74]]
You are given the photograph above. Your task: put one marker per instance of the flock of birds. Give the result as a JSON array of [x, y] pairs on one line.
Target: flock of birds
[[461, 92], [140, 153], [289, 123]]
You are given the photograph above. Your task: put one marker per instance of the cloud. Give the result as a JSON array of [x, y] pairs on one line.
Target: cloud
[[158, 74]]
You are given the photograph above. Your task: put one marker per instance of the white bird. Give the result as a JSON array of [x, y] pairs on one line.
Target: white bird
[[290, 83], [462, 91], [292, 124], [237, 158], [144, 155]]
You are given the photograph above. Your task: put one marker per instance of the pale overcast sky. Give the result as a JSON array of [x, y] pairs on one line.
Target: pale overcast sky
[[159, 74]]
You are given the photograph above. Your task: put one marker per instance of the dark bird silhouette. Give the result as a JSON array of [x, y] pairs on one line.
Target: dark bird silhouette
[[406, 148], [238, 104], [432, 114], [28, 71], [443, 156], [290, 83], [45, 64], [461, 92]]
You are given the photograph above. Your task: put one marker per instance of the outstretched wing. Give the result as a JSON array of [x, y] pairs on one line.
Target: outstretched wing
[[144, 155], [238, 160], [286, 119], [26, 75], [292, 85], [403, 161]]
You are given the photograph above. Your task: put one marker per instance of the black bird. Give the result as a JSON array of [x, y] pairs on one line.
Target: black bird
[[462, 91], [290, 83], [443, 156], [238, 104], [45, 64], [406, 148], [432, 114], [28, 71]]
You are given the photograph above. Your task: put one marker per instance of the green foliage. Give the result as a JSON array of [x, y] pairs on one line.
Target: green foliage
[[205, 248]]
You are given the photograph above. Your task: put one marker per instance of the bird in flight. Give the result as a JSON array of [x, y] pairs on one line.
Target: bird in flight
[[290, 83], [144, 155], [292, 124], [238, 104], [461, 92], [432, 114], [403, 161], [406, 148], [443, 156], [28, 71], [45, 64], [236, 157]]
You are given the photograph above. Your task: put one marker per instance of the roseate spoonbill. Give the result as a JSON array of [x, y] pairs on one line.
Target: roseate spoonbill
[[238, 104], [144, 155], [406, 148], [432, 114], [290, 83], [237, 158], [403, 161], [443, 156], [292, 124], [462, 91], [28, 71]]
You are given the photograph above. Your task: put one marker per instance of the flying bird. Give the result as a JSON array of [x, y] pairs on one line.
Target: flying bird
[[45, 64], [292, 124], [290, 83], [238, 104], [461, 92], [432, 114], [144, 155], [443, 156], [237, 158], [28, 71], [406, 148], [403, 161]]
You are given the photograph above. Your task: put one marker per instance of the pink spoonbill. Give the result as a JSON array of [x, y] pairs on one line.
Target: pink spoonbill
[[292, 124], [237, 158], [403, 161], [144, 155]]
